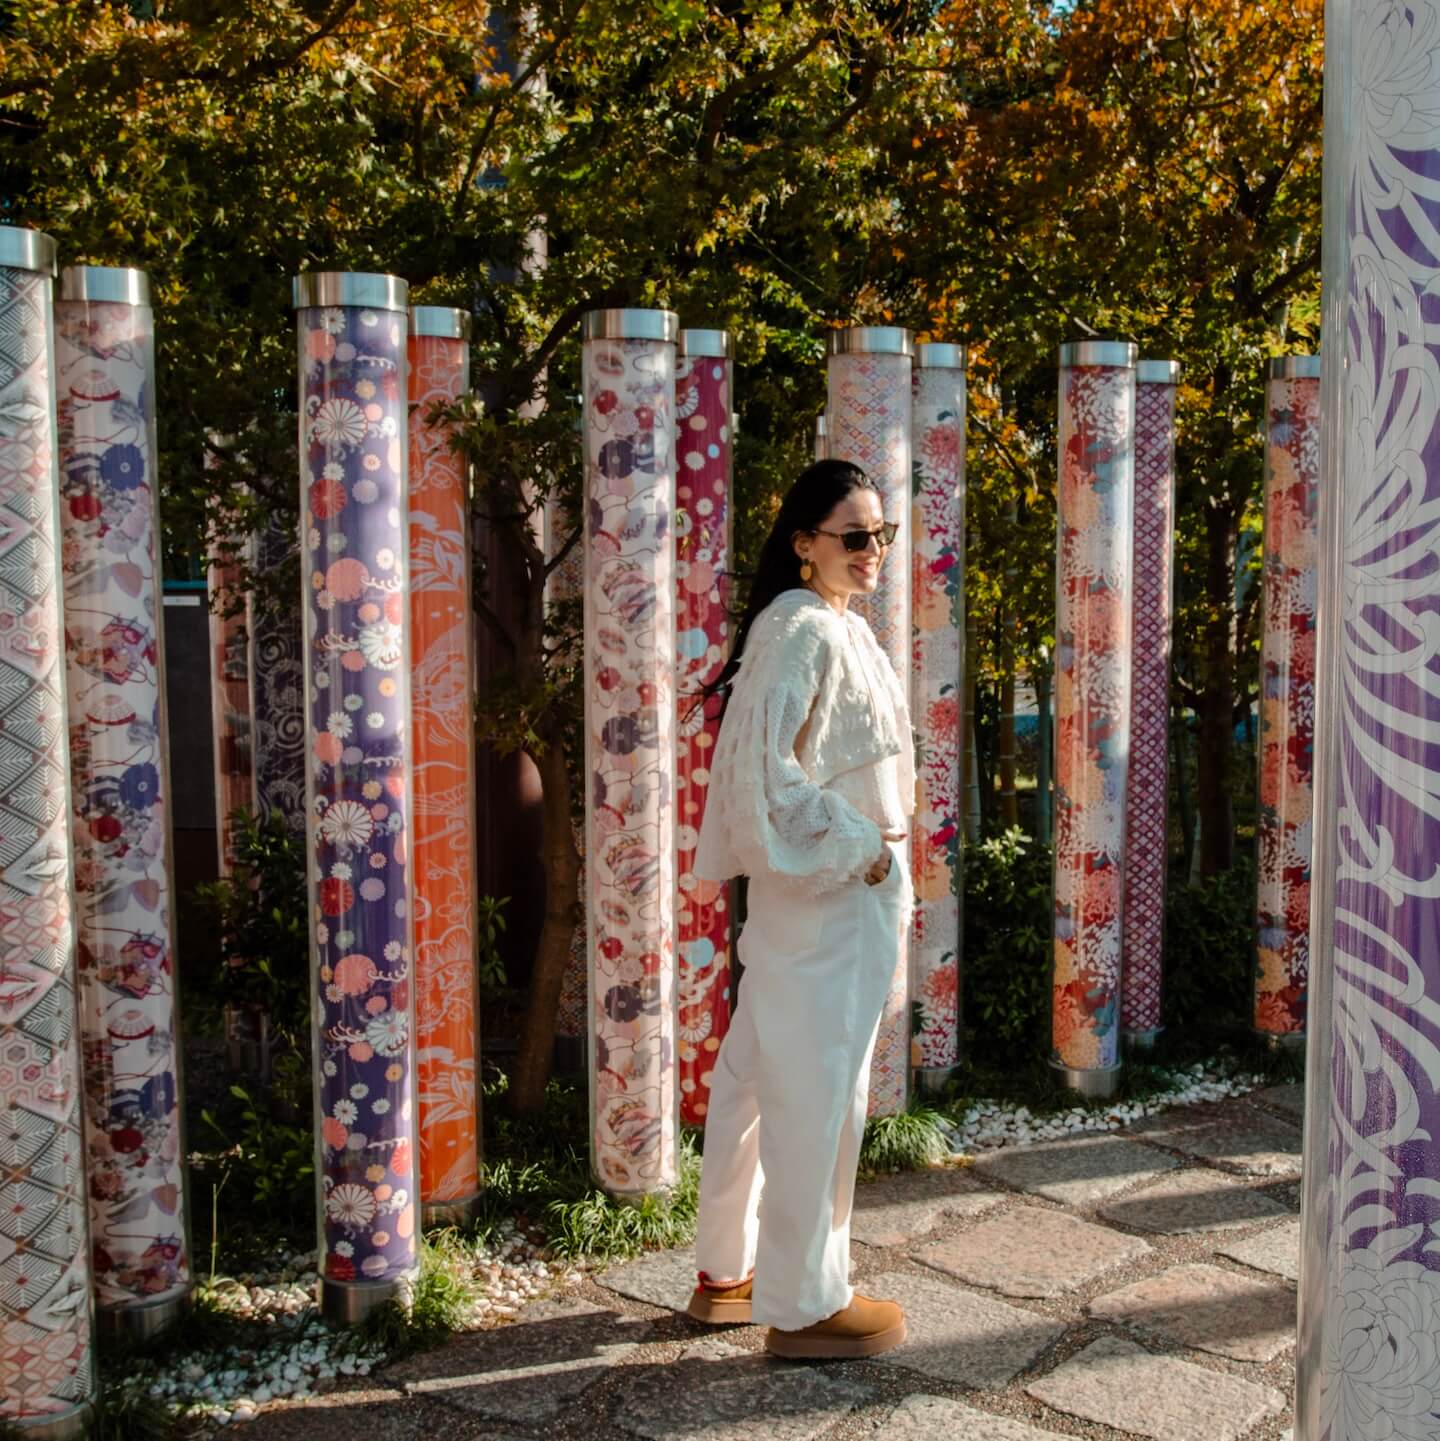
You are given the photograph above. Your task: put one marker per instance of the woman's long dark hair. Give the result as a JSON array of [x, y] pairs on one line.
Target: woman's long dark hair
[[818, 489]]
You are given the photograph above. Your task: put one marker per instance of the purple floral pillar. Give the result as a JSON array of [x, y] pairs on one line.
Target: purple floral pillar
[[46, 1324], [110, 560], [628, 379], [1369, 1294], [354, 549]]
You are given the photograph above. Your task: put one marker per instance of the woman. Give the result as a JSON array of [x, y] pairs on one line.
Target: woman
[[809, 794]]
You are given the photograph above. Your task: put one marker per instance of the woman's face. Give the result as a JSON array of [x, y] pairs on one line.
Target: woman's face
[[841, 572]]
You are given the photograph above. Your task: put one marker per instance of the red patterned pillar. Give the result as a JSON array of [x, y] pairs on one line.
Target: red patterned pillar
[[1147, 812], [703, 446]]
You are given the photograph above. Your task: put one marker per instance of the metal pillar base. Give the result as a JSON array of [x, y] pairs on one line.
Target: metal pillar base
[[1098, 1084], [930, 1081], [1287, 1041], [136, 1325], [1141, 1040], [71, 1425], [449, 1213], [348, 1303]]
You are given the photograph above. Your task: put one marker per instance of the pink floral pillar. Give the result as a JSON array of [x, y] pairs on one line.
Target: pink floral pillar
[[868, 423], [46, 1343], [704, 442], [447, 1013], [1095, 509], [105, 384], [1287, 699], [1146, 816], [358, 674], [628, 385], [937, 682]]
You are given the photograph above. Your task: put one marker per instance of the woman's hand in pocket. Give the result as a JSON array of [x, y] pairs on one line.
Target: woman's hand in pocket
[[880, 867]]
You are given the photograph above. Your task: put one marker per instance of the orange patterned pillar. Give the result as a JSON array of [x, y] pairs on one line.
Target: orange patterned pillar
[[446, 1001]]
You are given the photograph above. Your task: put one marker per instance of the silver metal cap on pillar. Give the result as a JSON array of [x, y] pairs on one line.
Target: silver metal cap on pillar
[[349, 287], [1098, 352], [1295, 367], [1157, 372], [631, 325], [23, 249], [870, 340], [104, 285], [713, 344], [442, 321], [939, 355]]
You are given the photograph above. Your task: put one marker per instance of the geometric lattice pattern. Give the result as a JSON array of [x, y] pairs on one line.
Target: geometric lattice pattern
[[868, 415], [45, 1308], [1146, 836]]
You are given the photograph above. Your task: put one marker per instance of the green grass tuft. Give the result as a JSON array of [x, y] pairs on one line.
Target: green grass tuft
[[911, 1141], [442, 1301]]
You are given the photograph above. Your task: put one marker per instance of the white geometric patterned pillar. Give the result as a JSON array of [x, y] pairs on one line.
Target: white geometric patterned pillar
[[937, 685], [628, 376], [868, 423]]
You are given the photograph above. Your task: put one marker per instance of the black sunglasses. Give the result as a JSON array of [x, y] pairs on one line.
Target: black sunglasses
[[856, 540]]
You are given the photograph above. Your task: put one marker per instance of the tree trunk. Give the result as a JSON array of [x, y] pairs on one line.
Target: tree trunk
[[1181, 739], [1044, 812], [1216, 760], [535, 1058], [1005, 746]]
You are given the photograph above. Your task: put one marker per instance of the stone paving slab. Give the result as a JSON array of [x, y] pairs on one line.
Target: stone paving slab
[[897, 1209], [659, 1278], [1242, 1317], [1276, 1250], [529, 1372], [959, 1337], [1032, 1252], [1252, 1142], [934, 1418], [1117, 1383], [377, 1412], [1076, 1172], [725, 1394], [1289, 1099], [1193, 1201]]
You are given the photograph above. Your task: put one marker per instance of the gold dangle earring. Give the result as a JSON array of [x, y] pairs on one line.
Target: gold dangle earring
[[807, 571]]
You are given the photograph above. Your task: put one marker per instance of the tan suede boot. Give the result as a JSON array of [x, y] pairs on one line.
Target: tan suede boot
[[863, 1328], [722, 1305]]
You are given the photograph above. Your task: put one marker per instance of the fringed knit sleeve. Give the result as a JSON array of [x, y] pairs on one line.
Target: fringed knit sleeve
[[764, 813]]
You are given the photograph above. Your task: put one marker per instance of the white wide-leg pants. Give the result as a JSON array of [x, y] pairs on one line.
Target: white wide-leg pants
[[788, 1093]]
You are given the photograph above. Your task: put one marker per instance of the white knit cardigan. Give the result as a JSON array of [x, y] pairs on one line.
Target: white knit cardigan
[[815, 698]]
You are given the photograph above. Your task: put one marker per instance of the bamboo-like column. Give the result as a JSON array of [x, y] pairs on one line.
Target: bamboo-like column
[[355, 554], [868, 423], [1369, 1290], [1286, 752], [628, 376], [447, 1002], [47, 1356], [1092, 705], [938, 685], [105, 383], [704, 451], [1147, 830]]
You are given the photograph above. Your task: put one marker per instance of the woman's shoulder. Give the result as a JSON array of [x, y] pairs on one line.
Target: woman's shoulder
[[796, 629]]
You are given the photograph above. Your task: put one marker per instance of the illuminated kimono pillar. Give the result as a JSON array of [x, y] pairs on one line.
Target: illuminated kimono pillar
[[105, 384], [46, 1343], [276, 669], [1369, 1292], [447, 1007], [1095, 509], [868, 423], [704, 456], [1147, 835], [628, 386], [229, 691], [354, 551], [1287, 699], [937, 685]]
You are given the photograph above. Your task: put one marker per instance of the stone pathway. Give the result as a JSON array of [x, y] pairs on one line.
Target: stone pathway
[[1104, 1287]]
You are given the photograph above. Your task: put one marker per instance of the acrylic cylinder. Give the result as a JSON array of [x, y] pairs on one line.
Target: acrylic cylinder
[[276, 667], [120, 825], [1147, 834], [822, 442], [447, 1003], [1286, 752], [937, 681], [355, 554], [47, 1355], [229, 688], [867, 416], [1095, 512], [1369, 1287], [704, 460], [628, 387]]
